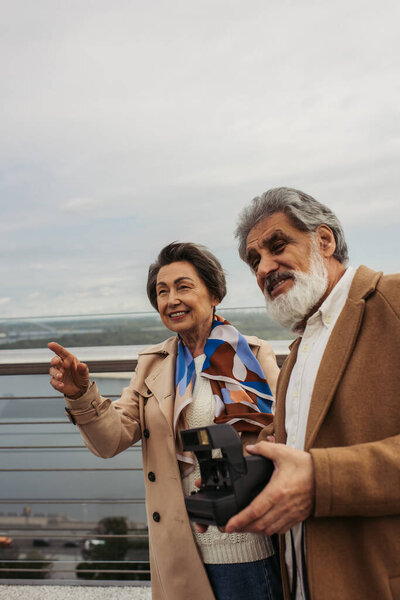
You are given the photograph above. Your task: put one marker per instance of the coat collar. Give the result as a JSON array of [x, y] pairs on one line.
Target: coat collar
[[335, 359], [157, 364], [160, 381]]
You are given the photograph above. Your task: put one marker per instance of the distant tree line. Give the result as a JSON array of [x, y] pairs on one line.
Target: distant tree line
[[122, 330]]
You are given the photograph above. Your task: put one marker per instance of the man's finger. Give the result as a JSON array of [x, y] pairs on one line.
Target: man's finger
[[249, 515], [266, 449]]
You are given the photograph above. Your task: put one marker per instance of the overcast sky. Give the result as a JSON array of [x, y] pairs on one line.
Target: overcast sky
[[127, 124]]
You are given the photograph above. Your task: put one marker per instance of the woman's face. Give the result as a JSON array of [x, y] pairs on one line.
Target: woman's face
[[184, 302]]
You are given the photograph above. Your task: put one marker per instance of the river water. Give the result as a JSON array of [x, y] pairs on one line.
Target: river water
[[26, 422]]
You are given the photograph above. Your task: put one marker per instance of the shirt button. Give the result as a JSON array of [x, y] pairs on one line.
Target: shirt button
[[305, 348], [146, 433], [151, 476], [156, 517]]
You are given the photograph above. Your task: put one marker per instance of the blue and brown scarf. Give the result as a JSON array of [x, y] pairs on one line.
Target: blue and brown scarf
[[242, 395]]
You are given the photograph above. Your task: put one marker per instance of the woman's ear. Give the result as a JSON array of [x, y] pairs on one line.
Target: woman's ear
[[214, 301], [325, 240]]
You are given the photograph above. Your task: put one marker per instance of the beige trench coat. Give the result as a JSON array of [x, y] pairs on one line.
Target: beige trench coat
[[145, 410], [353, 435]]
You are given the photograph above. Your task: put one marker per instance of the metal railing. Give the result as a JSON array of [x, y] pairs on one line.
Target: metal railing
[[68, 550], [57, 547]]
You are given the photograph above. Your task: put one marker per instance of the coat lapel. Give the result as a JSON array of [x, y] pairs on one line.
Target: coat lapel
[[161, 380], [334, 361], [161, 384], [338, 351]]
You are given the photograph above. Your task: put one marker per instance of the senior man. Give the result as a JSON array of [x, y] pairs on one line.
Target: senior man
[[335, 492]]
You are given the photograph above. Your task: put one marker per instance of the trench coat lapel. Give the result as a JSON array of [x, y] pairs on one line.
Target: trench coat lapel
[[161, 385], [338, 351]]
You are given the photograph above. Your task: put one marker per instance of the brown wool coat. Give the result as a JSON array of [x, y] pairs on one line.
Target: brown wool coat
[[353, 435], [145, 410]]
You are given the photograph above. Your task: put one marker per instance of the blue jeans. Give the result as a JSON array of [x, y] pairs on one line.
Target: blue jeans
[[259, 580]]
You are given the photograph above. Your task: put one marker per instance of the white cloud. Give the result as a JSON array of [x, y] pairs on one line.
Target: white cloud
[[129, 124], [80, 205]]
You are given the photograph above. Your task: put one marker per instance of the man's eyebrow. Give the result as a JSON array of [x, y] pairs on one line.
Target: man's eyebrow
[[277, 235], [178, 280], [268, 240]]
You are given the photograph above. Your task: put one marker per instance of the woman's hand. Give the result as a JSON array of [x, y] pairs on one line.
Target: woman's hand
[[68, 375]]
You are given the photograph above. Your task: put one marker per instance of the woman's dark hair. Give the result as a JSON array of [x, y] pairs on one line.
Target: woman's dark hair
[[206, 264]]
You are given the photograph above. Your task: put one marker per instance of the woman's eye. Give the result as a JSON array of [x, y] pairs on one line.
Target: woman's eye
[[161, 292]]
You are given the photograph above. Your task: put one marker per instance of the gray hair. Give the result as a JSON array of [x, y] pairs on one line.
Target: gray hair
[[207, 265], [302, 210]]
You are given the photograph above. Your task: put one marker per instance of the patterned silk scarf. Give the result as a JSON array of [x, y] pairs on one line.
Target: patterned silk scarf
[[242, 395]]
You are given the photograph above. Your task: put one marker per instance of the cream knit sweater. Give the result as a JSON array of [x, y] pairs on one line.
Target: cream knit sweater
[[215, 546]]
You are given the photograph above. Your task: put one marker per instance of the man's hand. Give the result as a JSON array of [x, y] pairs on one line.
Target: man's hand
[[288, 497], [68, 375]]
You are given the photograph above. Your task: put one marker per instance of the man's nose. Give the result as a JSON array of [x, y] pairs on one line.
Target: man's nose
[[267, 265]]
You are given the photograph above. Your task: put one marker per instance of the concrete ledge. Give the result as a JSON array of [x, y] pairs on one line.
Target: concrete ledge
[[78, 592]]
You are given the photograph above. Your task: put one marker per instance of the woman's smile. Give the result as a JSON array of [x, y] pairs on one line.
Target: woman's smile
[[178, 315]]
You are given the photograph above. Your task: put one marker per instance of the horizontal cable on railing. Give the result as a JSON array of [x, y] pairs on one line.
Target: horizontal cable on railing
[[72, 431], [71, 501], [93, 562], [64, 422], [71, 470], [32, 536], [51, 570], [61, 398], [82, 447]]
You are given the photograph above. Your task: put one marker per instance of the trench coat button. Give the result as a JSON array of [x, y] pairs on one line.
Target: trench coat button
[[146, 433], [151, 476], [156, 517], [149, 392]]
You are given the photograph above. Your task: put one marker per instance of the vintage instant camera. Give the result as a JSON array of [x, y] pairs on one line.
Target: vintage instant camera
[[229, 483]]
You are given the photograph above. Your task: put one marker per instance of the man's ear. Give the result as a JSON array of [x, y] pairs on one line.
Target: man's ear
[[325, 240]]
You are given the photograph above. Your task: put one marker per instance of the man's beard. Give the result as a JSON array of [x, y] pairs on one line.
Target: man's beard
[[291, 308]]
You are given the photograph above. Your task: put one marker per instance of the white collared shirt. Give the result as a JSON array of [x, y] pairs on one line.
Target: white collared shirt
[[301, 384]]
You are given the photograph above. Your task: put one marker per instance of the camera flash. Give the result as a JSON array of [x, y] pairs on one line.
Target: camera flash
[[203, 437]]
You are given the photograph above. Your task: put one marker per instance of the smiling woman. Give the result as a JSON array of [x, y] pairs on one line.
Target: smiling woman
[[207, 373]]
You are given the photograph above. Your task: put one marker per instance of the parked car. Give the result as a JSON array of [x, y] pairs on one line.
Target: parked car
[[40, 542], [71, 544]]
